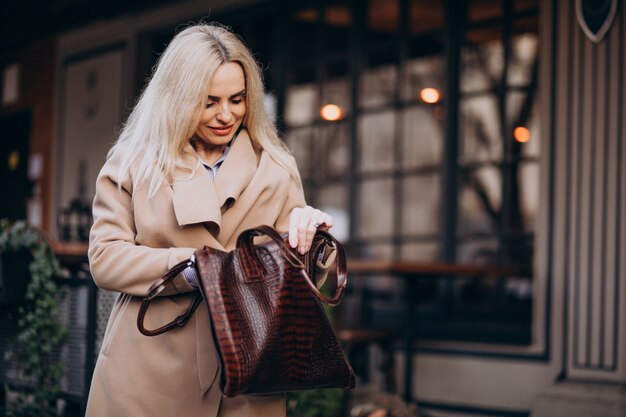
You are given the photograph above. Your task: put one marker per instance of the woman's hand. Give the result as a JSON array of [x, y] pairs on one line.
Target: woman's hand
[[303, 222]]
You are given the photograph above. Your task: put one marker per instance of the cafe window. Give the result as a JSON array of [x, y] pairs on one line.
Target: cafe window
[[369, 89]]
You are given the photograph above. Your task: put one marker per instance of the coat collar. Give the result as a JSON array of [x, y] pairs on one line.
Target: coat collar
[[199, 199]]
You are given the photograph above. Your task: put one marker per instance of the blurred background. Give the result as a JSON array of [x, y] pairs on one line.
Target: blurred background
[[470, 152]]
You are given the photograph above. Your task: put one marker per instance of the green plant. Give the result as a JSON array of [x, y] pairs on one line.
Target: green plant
[[315, 403], [40, 336]]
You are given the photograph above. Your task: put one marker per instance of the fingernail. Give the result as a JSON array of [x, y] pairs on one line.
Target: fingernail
[[292, 242], [302, 250]]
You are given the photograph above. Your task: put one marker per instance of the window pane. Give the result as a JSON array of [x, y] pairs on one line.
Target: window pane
[[419, 252], [379, 251], [332, 150], [382, 20], [529, 179], [299, 142], [333, 199], [421, 208], [305, 28], [378, 81], [524, 53], [474, 294], [532, 148], [422, 143], [517, 109], [482, 59], [301, 104], [425, 15], [338, 13], [304, 73], [478, 252], [523, 121], [478, 10], [480, 200], [421, 73], [376, 132], [523, 5], [336, 89], [338, 21], [375, 208], [480, 135]]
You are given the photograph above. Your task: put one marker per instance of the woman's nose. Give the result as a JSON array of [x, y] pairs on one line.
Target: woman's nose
[[225, 115]]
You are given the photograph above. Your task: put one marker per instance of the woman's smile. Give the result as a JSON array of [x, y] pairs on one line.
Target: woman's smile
[[221, 130]]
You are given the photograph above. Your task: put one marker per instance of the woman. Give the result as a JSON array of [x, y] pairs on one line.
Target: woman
[[197, 162]]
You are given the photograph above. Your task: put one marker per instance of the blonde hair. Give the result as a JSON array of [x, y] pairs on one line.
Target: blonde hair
[[168, 111]]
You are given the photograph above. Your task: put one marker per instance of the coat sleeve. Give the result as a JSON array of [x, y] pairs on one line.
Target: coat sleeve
[[117, 262], [295, 198]]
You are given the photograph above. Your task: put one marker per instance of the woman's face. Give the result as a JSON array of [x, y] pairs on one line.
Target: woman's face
[[226, 105]]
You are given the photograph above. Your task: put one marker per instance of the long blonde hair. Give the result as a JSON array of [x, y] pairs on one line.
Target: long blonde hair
[[168, 111]]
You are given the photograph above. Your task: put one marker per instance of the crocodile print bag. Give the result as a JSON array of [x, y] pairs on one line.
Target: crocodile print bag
[[269, 327]]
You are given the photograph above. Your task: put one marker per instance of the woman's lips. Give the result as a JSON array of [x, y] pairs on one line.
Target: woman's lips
[[221, 131]]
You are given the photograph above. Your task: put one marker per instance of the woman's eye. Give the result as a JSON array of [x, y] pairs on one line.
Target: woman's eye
[[237, 101], [209, 104]]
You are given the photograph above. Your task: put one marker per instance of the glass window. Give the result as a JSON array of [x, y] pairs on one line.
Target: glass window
[[478, 252], [376, 138], [332, 150], [529, 185], [427, 72], [482, 59], [375, 208], [382, 20], [425, 16], [532, 147], [337, 30], [378, 82], [337, 87], [523, 59], [420, 252], [421, 205], [526, 5], [480, 200], [300, 144], [305, 29], [301, 106], [422, 143], [397, 108], [480, 10], [379, 251], [481, 135]]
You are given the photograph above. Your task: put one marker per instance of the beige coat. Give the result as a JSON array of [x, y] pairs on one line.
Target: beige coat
[[134, 240]]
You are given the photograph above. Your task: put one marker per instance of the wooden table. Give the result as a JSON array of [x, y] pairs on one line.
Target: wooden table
[[411, 272]]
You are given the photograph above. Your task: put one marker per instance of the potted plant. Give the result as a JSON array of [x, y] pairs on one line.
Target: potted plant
[[40, 335]]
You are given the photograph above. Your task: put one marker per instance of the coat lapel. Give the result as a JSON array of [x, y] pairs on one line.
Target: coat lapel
[[237, 170], [199, 199]]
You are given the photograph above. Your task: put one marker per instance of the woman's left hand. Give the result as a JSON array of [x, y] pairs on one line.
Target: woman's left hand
[[303, 223]]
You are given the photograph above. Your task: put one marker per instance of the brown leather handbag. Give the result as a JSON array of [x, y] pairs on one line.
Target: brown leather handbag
[[269, 327]]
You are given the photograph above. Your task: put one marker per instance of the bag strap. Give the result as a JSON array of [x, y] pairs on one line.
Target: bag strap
[[245, 241], [156, 289]]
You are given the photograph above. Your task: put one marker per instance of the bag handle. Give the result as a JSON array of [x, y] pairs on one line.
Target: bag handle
[[155, 289], [244, 241]]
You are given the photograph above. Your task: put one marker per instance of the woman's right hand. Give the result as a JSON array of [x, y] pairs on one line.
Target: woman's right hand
[[303, 223]]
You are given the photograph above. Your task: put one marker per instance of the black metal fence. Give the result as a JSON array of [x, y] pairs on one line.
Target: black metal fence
[[84, 311]]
